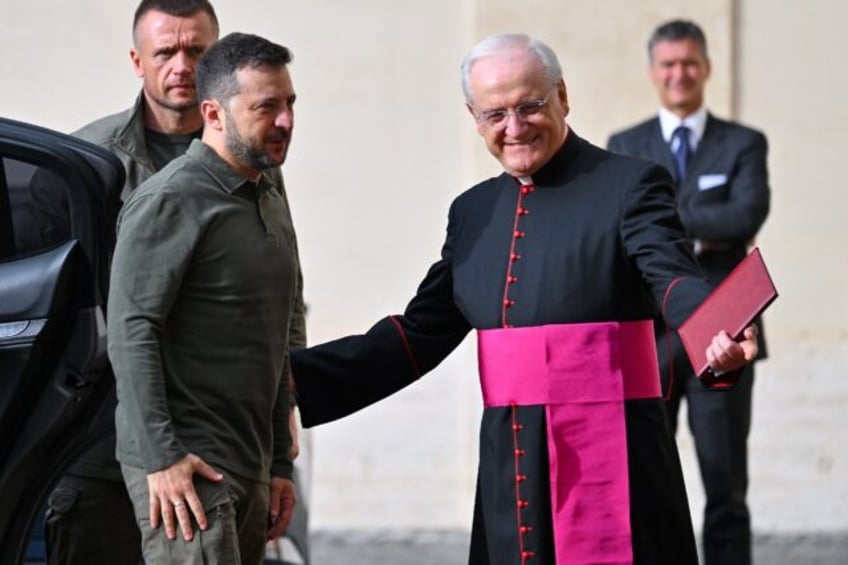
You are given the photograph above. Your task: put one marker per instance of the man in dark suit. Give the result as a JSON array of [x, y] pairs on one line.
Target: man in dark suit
[[723, 200]]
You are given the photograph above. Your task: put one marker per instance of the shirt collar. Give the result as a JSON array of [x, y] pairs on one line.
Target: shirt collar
[[696, 122], [229, 179]]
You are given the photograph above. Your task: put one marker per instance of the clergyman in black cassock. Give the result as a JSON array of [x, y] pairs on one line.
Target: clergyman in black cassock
[[559, 264]]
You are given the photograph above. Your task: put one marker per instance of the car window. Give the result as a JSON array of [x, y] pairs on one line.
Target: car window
[[38, 200]]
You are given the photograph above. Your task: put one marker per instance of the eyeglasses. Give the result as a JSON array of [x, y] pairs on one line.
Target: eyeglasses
[[523, 112]]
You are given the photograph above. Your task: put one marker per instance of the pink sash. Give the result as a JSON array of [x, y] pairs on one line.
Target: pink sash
[[582, 373]]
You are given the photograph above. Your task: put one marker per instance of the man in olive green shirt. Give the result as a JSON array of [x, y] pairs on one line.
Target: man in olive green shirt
[[203, 289], [90, 518]]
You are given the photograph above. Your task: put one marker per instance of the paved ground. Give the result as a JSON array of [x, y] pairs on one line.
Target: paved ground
[[449, 548], [390, 548]]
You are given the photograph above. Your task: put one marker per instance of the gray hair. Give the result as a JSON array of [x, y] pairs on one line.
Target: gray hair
[[677, 30], [496, 43]]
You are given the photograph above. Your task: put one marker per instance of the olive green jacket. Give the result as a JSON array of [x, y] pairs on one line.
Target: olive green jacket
[[122, 134]]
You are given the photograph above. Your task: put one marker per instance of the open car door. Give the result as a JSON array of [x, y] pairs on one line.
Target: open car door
[[58, 201]]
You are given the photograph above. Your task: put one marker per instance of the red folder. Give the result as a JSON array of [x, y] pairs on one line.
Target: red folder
[[731, 306]]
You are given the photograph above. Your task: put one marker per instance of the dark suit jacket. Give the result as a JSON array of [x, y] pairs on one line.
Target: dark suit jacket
[[724, 198]]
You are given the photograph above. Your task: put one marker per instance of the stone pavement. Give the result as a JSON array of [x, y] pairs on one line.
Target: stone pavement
[[407, 547], [450, 548]]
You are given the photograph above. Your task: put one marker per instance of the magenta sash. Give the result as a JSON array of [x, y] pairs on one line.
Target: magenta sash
[[582, 373]]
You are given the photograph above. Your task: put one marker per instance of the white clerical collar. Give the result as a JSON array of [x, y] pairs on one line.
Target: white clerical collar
[[696, 122], [528, 180]]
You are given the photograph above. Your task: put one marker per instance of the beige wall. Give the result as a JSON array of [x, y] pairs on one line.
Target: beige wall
[[382, 145], [792, 84]]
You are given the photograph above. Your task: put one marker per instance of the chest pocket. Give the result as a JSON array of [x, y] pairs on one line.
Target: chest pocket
[[275, 217]]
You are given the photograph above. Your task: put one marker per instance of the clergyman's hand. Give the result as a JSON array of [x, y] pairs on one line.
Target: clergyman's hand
[[172, 496], [724, 354], [294, 431], [283, 499]]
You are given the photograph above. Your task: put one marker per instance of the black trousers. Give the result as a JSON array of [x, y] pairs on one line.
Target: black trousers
[[91, 522], [720, 422]]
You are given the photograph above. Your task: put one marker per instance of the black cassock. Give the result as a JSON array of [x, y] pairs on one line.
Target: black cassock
[[592, 237]]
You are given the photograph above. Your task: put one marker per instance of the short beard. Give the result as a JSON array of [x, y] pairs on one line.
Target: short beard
[[243, 151]]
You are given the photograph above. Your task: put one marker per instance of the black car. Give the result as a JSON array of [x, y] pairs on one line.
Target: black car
[[59, 198]]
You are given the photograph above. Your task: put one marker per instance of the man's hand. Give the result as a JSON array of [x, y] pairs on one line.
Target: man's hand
[[724, 354], [171, 489], [283, 499]]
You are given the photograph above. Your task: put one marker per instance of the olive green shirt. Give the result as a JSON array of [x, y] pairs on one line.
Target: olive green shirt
[[203, 287]]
